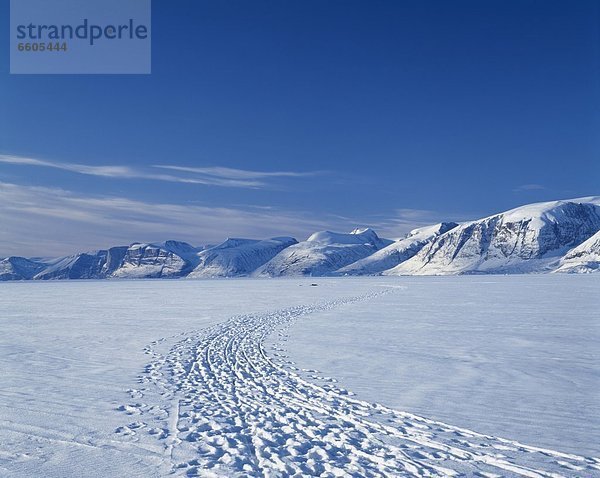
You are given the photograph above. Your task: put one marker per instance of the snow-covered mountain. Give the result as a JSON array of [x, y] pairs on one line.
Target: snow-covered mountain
[[238, 257], [87, 265], [583, 258], [323, 253], [396, 252], [523, 240], [19, 268], [167, 259], [557, 236], [170, 259]]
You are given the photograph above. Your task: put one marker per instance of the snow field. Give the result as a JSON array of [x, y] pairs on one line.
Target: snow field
[[219, 378]]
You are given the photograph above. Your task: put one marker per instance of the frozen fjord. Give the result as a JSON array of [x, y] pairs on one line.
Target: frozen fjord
[[513, 356], [71, 350]]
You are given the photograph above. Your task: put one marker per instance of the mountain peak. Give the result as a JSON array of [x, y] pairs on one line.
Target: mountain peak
[[362, 230]]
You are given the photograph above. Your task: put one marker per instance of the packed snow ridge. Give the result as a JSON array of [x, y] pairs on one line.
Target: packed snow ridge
[[557, 236]]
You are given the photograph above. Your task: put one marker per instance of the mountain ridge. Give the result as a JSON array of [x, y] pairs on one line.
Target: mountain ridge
[[522, 240], [555, 236]]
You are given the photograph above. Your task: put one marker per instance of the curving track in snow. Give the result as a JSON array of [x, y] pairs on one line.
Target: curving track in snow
[[236, 410]]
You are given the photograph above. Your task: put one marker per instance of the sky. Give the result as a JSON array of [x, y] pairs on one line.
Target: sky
[[269, 118]]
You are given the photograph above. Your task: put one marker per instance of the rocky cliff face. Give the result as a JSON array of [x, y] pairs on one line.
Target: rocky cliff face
[[526, 239], [169, 259], [584, 258]]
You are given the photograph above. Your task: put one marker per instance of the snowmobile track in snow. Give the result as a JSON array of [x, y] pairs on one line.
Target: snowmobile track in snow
[[236, 410]]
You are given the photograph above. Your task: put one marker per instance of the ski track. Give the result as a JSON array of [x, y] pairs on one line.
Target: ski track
[[227, 408]]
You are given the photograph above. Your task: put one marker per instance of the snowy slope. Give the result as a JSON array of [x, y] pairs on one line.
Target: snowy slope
[[396, 252], [86, 265], [19, 268], [323, 253], [523, 240], [238, 257], [583, 258]]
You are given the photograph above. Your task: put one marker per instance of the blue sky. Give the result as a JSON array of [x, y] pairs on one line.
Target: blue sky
[[267, 118]]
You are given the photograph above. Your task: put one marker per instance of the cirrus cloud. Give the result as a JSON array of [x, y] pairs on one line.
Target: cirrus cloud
[[43, 221], [208, 176]]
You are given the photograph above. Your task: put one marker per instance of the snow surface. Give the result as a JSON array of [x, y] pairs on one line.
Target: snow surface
[[512, 356], [145, 378]]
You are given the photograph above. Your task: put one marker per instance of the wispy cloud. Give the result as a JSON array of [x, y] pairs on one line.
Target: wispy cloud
[[529, 187], [51, 221], [42, 221], [209, 176], [231, 173], [107, 171]]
